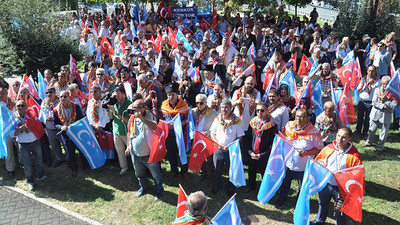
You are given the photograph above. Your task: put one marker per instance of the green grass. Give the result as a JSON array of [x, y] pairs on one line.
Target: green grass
[[105, 196]]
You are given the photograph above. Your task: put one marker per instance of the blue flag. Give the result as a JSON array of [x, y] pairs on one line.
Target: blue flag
[[98, 57], [317, 99], [41, 86], [236, 171], [133, 29], [393, 87], [199, 36], [349, 57], [217, 79], [213, 38], [315, 178], [181, 37], [290, 82], [82, 134], [228, 215], [191, 125], [180, 141], [92, 47], [8, 124], [156, 66], [276, 168], [135, 12]]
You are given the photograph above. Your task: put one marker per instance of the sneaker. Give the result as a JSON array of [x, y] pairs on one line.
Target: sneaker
[[11, 174], [158, 198], [31, 187], [123, 171], [140, 192], [43, 178]]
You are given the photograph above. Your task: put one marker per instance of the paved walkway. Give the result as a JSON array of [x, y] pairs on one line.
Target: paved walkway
[[16, 208]]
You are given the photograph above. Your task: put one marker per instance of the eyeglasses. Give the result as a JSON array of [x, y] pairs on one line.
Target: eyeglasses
[[20, 106], [260, 110], [63, 96], [180, 44], [199, 103], [49, 92], [94, 91], [328, 109], [99, 74]]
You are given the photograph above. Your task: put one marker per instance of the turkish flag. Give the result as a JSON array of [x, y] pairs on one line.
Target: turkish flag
[[158, 41], [28, 83], [268, 76], [106, 143], [186, 30], [74, 70], [351, 186], [356, 75], [32, 121], [293, 60], [392, 69], [181, 205], [95, 26], [158, 148], [106, 47], [305, 66], [162, 11], [346, 72], [202, 148], [172, 36], [346, 108], [33, 106], [204, 25], [214, 18]]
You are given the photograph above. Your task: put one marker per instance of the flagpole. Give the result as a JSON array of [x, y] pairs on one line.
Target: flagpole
[[183, 190], [223, 207], [351, 168]]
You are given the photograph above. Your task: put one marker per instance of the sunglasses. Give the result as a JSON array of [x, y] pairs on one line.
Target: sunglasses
[[49, 92], [63, 96], [199, 103], [260, 110], [20, 106], [180, 44]]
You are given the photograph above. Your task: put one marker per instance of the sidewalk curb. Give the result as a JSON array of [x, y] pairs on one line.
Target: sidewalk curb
[[53, 205]]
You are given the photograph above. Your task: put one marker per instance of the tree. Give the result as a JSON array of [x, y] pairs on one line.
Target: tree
[[373, 17], [297, 3], [30, 36]]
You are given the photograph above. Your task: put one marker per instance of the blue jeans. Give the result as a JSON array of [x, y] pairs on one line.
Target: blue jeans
[[285, 187], [324, 196], [364, 109], [26, 150], [140, 163]]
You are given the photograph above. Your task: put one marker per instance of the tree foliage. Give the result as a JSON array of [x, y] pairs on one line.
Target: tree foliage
[[30, 37], [373, 17], [297, 3]]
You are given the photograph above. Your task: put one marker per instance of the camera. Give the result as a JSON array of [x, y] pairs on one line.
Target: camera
[[108, 99]]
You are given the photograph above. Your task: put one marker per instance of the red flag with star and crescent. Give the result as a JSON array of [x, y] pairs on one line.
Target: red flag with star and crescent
[[158, 148], [346, 72], [305, 66], [32, 121], [356, 75], [181, 205], [106, 47], [351, 186], [293, 60], [347, 113], [214, 18], [202, 148]]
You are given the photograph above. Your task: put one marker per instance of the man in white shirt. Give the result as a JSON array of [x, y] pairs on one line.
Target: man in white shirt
[[96, 114], [225, 129], [28, 145]]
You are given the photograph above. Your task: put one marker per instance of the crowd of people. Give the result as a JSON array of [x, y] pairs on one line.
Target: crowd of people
[[220, 82]]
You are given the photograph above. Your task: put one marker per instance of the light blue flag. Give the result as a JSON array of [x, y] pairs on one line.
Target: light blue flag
[[334, 99], [349, 57], [217, 79], [82, 134], [228, 215], [313, 68], [356, 96], [199, 36], [213, 38], [275, 171], [181, 37], [133, 29], [236, 171], [191, 125], [92, 48], [317, 99], [156, 66], [98, 57], [289, 81], [180, 141], [41, 86], [135, 12], [8, 124], [316, 176], [393, 87]]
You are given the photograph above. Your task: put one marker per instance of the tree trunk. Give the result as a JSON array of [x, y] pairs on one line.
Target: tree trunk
[[295, 11]]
